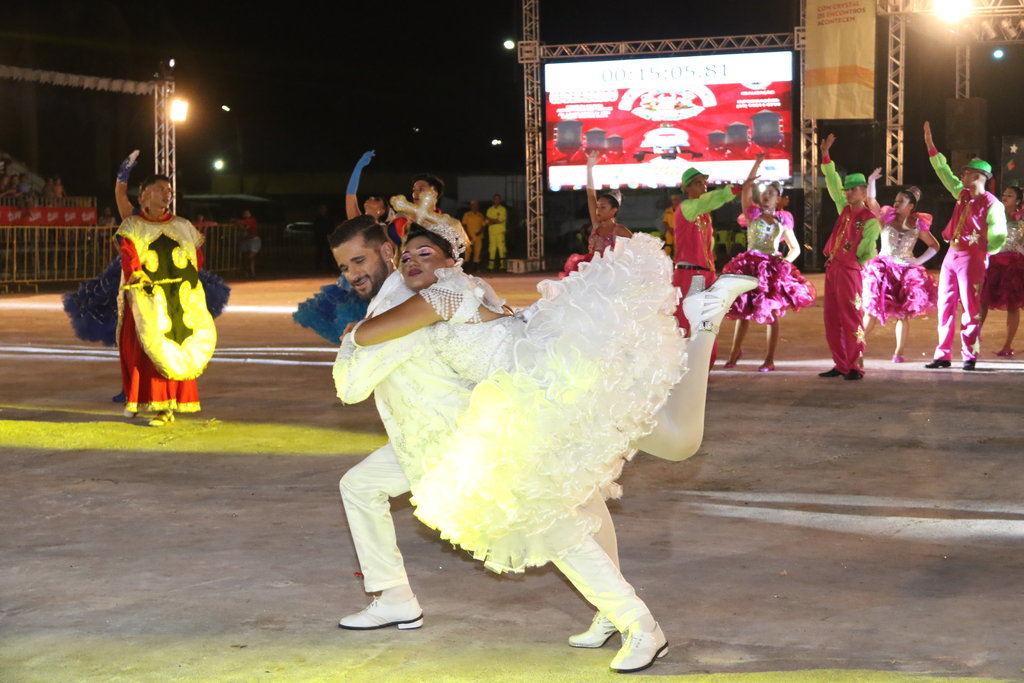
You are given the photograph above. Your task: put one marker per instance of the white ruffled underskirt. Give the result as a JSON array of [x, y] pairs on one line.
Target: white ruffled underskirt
[[596, 362]]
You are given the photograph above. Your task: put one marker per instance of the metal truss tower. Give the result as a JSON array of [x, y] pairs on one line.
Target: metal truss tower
[[164, 148]]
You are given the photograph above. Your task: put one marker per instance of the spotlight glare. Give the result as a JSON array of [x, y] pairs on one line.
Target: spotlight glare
[[218, 164], [509, 44], [225, 107], [495, 142], [998, 53], [952, 10], [170, 62], [179, 110]]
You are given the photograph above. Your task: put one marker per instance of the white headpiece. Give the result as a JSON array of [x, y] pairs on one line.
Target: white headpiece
[[424, 214]]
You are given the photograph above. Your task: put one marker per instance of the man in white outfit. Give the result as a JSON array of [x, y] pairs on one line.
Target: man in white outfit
[[365, 257]]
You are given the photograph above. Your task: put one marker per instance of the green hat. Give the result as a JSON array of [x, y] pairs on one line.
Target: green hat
[[690, 174], [980, 166], [854, 180]]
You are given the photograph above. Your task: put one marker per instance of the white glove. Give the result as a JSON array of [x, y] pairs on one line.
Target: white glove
[[925, 257]]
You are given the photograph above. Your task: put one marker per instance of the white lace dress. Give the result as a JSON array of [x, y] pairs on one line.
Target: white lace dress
[[556, 406]]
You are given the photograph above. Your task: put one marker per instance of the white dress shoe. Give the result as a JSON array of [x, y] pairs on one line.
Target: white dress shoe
[[639, 649], [705, 309], [601, 629], [404, 615]]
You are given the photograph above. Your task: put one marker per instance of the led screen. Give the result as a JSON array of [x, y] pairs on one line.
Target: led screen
[[653, 118]]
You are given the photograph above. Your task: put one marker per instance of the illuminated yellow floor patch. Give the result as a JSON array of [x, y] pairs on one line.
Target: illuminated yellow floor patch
[[187, 435], [354, 658]]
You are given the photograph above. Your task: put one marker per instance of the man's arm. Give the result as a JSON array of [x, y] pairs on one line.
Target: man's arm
[[996, 220], [708, 202], [868, 247], [942, 169]]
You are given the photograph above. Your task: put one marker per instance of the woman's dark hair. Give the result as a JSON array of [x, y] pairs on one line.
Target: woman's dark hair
[[431, 180], [911, 192], [610, 198], [1017, 191], [417, 230]]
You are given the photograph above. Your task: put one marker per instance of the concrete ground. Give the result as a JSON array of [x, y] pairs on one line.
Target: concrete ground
[[827, 530]]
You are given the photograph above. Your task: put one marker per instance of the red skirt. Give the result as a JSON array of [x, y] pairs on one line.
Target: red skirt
[[1004, 281], [145, 389]]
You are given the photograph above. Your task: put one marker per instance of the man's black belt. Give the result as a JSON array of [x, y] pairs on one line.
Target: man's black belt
[[689, 266]]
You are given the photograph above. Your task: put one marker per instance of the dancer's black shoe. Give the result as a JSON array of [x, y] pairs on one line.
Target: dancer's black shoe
[[831, 373], [938, 363]]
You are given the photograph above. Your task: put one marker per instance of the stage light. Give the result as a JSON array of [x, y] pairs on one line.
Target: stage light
[[218, 164], [179, 110], [170, 62], [225, 107], [495, 142], [509, 44], [998, 53], [952, 10]]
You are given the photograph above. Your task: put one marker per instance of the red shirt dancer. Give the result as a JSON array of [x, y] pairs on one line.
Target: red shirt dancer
[[695, 237], [166, 334], [977, 229], [851, 245]]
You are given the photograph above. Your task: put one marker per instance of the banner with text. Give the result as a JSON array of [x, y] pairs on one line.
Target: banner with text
[[839, 72]]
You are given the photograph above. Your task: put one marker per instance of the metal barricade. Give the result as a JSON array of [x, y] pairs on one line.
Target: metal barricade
[[31, 255]]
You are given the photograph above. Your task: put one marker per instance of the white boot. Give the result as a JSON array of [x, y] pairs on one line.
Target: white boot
[[705, 309], [601, 629], [404, 615], [639, 649]]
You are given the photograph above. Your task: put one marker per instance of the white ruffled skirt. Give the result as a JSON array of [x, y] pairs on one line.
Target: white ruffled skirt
[[597, 360]]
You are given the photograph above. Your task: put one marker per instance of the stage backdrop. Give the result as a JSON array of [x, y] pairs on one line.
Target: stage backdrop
[[839, 71], [651, 119]]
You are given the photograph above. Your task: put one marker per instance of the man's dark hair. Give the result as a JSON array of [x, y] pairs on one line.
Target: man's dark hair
[[366, 226], [150, 180], [431, 180], [417, 230]]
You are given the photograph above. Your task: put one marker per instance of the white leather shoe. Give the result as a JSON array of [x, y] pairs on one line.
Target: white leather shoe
[[705, 309], [404, 615], [639, 649], [601, 629]]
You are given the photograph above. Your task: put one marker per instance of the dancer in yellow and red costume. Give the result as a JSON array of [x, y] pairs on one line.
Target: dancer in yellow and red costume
[[166, 334]]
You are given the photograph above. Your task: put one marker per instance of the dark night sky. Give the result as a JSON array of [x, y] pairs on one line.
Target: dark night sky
[[312, 86]]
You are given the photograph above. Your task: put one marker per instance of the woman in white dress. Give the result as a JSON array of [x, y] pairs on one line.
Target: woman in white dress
[[515, 469]]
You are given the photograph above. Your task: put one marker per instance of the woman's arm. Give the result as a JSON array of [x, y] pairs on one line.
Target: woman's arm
[[792, 245], [747, 194], [872, 202], [124, 205], [403, 319], [351, 198], [591, 192]]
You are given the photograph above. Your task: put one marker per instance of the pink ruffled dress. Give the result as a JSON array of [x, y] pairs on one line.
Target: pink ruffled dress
[[596, 244], [1004, 279], [780, 285], [893, 286]]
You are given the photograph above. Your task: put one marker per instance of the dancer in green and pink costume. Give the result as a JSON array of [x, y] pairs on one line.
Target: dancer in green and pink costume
[[851, 245], [977, 228]]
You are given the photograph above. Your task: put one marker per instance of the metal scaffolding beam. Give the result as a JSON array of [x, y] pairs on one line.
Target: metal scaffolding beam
[[894, 100], [164, 154], [533, 111]]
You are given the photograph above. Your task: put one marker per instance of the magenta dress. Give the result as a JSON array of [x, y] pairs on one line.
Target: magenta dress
[[893, 286], [595, 245], [1004, 278], [780, 285]]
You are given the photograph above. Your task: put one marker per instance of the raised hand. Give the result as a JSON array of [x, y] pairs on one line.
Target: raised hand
[[593, 156], [125, 169], [928, 136], [875, 175], [364, 160], [827, 143]]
